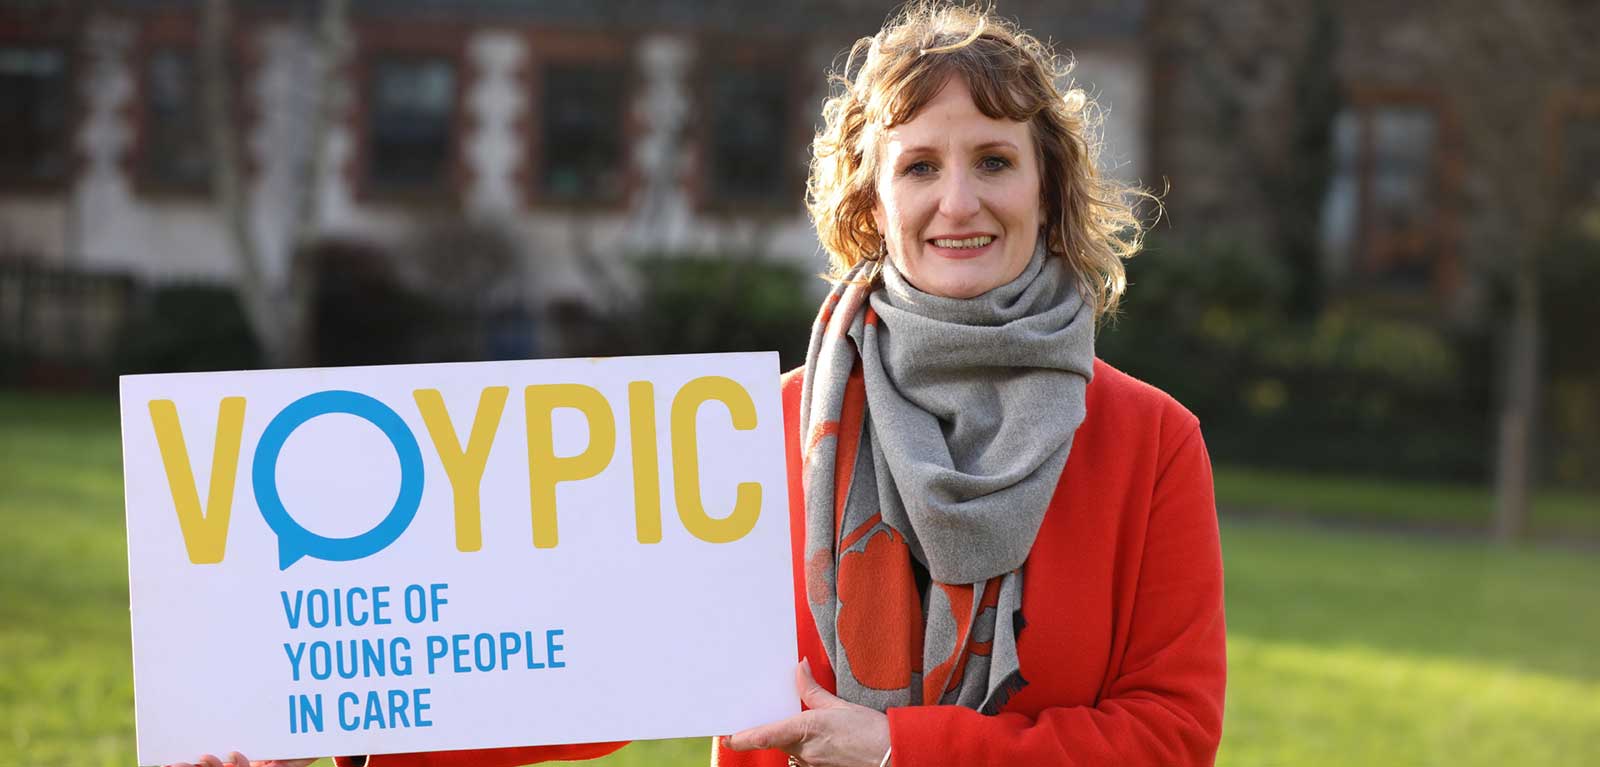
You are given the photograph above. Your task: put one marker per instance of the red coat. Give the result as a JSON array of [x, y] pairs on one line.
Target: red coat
[[1124, 648]]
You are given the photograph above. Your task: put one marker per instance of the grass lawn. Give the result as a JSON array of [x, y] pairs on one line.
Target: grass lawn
[[1417, 504], [1344, 647]]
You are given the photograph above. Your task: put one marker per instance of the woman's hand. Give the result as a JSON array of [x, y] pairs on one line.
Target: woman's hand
[[833, 733], [238, 760]]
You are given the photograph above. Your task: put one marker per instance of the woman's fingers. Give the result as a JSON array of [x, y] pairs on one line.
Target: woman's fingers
[[787, 733], [831, 731], [813, 695], [236, 759], [783, 734]]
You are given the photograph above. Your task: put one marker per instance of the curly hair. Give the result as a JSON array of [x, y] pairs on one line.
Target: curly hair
[[1088, 219]]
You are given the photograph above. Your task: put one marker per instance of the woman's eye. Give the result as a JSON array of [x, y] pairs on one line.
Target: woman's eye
[[994, 163], [919, 168]]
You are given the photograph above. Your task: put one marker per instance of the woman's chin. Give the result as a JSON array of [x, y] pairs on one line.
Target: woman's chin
[[971, 274], [957, 280], [959, 290]]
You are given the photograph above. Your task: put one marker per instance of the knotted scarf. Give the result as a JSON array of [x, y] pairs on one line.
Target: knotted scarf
[[935, 431]]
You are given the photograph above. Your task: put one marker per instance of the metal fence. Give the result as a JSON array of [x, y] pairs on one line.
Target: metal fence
[[60, 326], [70, 328]]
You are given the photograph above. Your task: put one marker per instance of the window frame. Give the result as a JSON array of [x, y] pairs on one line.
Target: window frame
[[379, 39], [1370, 256], [1564, 107], [180, 31], [788, 57], [550, 46], [44, 31]]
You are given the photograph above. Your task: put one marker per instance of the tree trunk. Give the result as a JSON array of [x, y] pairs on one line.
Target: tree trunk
[[331, 41], [227, 190], [279, 312], [1514, 467]]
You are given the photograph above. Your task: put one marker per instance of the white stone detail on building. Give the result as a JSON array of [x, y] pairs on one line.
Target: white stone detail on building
[[101, 195], [494, 151], [661, 212]]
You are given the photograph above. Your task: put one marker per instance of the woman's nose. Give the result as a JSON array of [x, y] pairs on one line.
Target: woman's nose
[[959, 197]]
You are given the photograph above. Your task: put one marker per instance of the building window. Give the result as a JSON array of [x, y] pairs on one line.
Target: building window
[[1381, 217], [34, 110], [583, 112], [175, 154], [747, 145], [1579, 167], [1403, 241], [411, 123]]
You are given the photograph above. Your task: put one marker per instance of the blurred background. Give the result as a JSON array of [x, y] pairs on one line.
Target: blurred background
[[1374, 281]]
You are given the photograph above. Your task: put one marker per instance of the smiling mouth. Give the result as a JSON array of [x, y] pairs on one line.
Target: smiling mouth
[[964, 243]]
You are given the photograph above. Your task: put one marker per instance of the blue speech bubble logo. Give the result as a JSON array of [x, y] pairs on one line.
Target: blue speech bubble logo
[[295, 541]]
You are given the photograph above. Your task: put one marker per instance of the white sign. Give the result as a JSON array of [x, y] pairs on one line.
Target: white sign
[[432, 557]]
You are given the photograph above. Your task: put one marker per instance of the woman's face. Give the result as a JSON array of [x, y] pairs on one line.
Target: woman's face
[[958, 196]]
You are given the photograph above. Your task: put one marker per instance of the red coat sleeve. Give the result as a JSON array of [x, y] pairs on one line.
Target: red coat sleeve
[[490, 757], [1165, 706]]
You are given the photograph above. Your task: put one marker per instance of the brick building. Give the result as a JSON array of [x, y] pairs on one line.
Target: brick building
[[584, 129], [1329, 134], [1389, 141]]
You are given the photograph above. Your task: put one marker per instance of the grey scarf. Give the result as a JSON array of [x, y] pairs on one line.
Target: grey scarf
[[969, 410]]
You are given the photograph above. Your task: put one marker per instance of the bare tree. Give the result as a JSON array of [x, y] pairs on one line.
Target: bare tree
[[277, 308], [1502, 64]]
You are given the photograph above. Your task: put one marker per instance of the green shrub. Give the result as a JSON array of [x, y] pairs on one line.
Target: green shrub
[[362, 313], [1570, 282], [694, 304], [1347, 390], [187, 328]]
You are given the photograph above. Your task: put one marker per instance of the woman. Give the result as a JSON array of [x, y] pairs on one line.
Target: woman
[[1003, 543]]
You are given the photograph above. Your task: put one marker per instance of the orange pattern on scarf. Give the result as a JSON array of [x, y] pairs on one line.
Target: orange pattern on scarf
[[880, 615]]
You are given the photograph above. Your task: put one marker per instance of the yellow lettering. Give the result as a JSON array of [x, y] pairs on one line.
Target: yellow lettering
[[686, 460], [464, 467], [545, 468], [646, 464], [205, 532]]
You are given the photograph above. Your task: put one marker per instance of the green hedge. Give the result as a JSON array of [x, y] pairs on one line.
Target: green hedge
[[1347, 390], [711, 303], [187, 328]]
